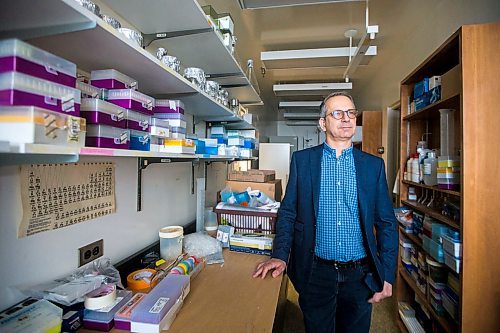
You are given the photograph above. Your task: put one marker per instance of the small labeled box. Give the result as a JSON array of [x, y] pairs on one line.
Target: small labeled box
[[103, 136], [112, 79], [29, 124], [131, 99], [18, 56], [21, 89], [174, 119], [169, 106], [99, 112]]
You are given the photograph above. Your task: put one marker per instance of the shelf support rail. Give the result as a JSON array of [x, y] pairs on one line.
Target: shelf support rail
[[149, 38]]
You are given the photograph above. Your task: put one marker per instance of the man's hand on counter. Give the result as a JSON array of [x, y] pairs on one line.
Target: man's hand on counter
[[276, 265]]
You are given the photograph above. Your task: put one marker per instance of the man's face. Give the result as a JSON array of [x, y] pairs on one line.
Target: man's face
[[338, 129]]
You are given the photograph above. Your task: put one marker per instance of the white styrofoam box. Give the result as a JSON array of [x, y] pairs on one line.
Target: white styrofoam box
[[251, 134], [434, 81], [452, 246], [209, 142], [225, 23], [358, 136], [218, 129], [29, 124], [236, 141]]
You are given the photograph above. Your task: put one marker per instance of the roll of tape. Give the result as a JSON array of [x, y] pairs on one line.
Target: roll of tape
[[140, 280], [101, 297]]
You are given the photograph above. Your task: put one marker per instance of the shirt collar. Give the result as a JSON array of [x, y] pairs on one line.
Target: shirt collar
[[329, 150]]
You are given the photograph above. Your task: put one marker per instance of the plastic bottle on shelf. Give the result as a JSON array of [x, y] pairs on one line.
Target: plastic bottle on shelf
[[415, 169], [430, 169]]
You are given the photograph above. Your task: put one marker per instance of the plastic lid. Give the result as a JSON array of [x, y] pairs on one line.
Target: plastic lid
[[113, 74], [211, 227], [93, 104], [171, 232], [18, 48], [433, 263]]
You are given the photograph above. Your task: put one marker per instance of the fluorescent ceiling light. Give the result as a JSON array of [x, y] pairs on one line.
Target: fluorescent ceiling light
[[309, 89], [362, 50], [300, 104], [301, 123], [304, 115], [256, 4], [309, 58]]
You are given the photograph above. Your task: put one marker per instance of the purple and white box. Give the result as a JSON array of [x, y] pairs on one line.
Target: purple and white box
[[21, 89], [103, 319], [18, 56], [168, 106], [159, 308], [138, 121], [112, 79], [174, 119], [99, 112], [104, 136], [132, 99]]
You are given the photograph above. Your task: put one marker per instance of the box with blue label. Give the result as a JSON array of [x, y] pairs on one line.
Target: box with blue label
[[434, 95], [139, 140], [251, 243], [421, 102], [249, 143], [421, 88]]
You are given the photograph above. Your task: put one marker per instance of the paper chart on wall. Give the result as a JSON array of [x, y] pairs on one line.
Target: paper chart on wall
[[55, 196]]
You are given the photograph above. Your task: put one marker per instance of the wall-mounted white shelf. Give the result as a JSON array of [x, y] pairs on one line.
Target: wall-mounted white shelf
[[85, 39], [205, 49], [36, 154]]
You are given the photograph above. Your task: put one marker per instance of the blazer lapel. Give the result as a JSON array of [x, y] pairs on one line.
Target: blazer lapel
[[315, 160], [360, 174]]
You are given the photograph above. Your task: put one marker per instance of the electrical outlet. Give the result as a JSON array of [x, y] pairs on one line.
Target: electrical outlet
[[91, 252]]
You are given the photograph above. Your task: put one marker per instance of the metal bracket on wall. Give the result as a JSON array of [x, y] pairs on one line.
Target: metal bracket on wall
[[149, 38], [144, 162]]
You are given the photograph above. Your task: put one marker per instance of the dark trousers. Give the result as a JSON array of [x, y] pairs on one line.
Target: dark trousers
[[336, 300]]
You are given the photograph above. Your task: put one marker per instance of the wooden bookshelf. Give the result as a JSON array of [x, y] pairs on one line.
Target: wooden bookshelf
[[431, 212]]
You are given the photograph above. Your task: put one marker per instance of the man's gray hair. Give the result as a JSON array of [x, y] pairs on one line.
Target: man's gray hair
[[322, 108]]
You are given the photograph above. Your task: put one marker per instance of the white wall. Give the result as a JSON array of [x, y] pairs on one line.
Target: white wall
[[302, 132]]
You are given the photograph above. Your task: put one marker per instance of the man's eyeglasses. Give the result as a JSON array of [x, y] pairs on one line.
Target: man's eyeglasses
[[339, 114]]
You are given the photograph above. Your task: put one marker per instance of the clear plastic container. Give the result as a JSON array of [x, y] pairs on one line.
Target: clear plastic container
[[449, 184], [171, 242], [447, 130], [452, 246], [236, 141], [452, 262], [18, 56], [139, 140], [138, 121], [437, 271], [112, 79], [210, 142], [405, 247], [90, 91], [32, 315], [169, 106], [132, 99], [21, 89], [157, 143], [159, 127], [174, 119], [100, 112], [180, 146], [29, 124], [103, 136]]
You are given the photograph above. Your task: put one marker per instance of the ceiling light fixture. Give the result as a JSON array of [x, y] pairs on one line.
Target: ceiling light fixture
[[259, 4], [303, 115], [300, 104], [309, 89]]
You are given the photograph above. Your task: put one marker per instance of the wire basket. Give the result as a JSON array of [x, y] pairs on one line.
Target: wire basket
[[248, 221]]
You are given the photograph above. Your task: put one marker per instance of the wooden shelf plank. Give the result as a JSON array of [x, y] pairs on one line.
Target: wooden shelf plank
[[448, 326], [431, 212], [434, 188], [431, 111]]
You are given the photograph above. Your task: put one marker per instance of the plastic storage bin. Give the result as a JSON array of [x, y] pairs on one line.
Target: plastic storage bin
[[103, 136], [89, 91], [157, 143], [450, 302], [452, 262], [452, 246], [32, 315], [405, 247], [236, 141], [21, 89], [436, 251], [29, 124], [131, 99], [159, 127], [179, 146], [437, 271], [139, 140], [100, 112], [111, 79], [171, 242], [174, 119], [138, 121], [178, 133], [18, 56], [168, 106], [247, 220]]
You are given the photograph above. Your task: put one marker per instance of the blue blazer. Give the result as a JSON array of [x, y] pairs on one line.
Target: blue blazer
[[296, 226]]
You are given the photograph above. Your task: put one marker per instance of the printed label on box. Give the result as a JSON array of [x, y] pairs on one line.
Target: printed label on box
[[160, 304]]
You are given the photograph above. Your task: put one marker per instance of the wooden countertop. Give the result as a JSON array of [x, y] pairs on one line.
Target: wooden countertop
[[227, 299]]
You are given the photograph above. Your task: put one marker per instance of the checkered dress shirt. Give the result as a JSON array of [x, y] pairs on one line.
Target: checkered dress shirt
[[338, 230]]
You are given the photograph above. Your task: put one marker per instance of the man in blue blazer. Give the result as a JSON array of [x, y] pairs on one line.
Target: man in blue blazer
[[336, 231]]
